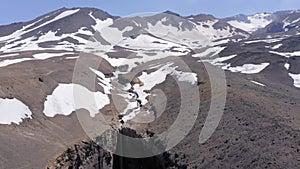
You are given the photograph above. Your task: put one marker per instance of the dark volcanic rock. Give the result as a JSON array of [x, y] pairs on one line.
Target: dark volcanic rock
[[89, 155], [86, 154]]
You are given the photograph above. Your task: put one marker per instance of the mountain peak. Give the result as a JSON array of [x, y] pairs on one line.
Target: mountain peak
[[171, 13], [201, 17]]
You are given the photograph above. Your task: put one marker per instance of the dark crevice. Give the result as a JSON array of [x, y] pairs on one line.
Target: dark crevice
[[89, 155]]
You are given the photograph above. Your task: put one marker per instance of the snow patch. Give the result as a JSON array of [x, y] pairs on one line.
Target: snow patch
[[247, 68], [146, 42], [72, 57], [286, 54], [256, 21], [219, 60], [287, 66], [39, 56], [260, 84], [150, 80], [43, 56], [271, 40], [58, 17], [296, 78], [13, 61], [13, 111], [62, 101], [276, 46], [9, 55]]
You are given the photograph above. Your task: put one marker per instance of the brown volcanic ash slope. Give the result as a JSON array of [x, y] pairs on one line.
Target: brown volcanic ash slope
[[36, 140], [260, 124], [259, 128]]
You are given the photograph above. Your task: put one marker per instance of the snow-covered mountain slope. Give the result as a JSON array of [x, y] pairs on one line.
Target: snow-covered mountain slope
[[71, 29], [66, 32], [268, 23], [250, 23], [217, 29], [66, 29], [285, 22], [171, 27], [130, 41]]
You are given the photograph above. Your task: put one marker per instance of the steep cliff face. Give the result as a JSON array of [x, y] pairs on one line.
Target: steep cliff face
[[89, 155], [86, 154]]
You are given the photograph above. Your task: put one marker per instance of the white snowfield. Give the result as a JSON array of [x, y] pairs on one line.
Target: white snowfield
[[159, 76], [9, 55], [172, 36], [13, 111], [179, 36], [202, 33], [38, 56], [32, 43], [255, 22], [206, 28], [146, 42], [8, 62], [24, 30], [218, 61], [286, 54], [67, 98], [276, 46], [268, 40], [296, 78], [43, 56], [247, 68], [142, 57]]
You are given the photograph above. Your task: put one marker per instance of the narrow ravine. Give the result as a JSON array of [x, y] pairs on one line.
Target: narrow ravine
[[89, 155]]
